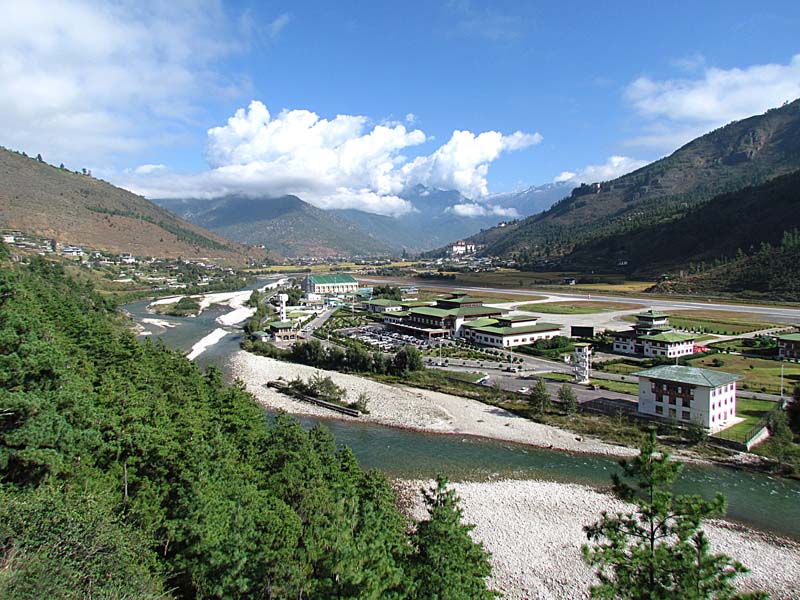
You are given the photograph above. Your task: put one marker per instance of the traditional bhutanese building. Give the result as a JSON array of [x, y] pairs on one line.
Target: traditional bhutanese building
[[508, 331], [689, 395], [382, 305], [445, 319], [789, 346], [652, 336], [282, 331], [338, 283]]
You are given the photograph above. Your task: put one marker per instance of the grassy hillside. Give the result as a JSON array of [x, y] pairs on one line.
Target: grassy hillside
[[287, 224], [45, 201], [741, 154]]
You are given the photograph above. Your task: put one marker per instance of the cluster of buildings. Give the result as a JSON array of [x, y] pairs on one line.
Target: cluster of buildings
[[653, 337], [464, 318]]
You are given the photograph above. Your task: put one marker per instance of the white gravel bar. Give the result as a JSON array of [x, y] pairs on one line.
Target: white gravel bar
[[411, 408], [205, 343], [534, 531]]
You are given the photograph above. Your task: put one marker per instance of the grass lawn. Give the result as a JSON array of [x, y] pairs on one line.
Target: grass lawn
[[752, 411], [578, 308], [759, 374], [718, 321], [622, 368], [617, 386], [558, 377]]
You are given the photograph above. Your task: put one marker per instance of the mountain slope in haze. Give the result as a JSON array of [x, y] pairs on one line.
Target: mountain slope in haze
[[435, 222], [286, 225], [44, 201], [741, 154]]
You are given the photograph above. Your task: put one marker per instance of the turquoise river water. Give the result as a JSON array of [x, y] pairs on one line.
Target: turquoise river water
[[761, 501]]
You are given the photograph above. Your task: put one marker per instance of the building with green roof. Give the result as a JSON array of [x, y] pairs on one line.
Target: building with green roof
[[652, 336], [689, 395], [382, 305], [789, 346], [334, 283]]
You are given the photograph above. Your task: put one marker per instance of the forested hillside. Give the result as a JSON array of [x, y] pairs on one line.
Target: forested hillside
[[744, 153], [770, 272], [126, 472], [703, 237]]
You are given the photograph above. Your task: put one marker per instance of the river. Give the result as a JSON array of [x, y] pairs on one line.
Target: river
[[755, 499]]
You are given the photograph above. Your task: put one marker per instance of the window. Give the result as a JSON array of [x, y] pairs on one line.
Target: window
[[685, 415], [672, 399], [673, 413], [686, 402], [659, 410]]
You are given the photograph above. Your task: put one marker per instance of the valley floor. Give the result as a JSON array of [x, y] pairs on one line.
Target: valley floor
[[534, 531]]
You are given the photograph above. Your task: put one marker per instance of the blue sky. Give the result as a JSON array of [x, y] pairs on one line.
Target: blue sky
[[572, 90]]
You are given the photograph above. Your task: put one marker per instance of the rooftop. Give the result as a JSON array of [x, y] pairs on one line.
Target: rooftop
[[690, 375], [281, 324], [333, 278], [652, 314], [790, 337], [519, 318], [384, 302], [539, 327], [670, 338], [430, 311]]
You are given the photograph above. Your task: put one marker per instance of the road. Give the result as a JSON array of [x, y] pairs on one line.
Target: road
[[775, 313]]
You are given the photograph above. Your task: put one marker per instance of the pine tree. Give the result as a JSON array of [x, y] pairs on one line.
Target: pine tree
[[540, 397], [569, 402], [659, 551], [447, 563]]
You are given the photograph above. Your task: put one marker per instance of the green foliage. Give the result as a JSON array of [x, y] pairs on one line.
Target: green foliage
[[659, 551], [540, 397], [126, 471], [569, 402], [389, 292], [407, 359], [447, 564]]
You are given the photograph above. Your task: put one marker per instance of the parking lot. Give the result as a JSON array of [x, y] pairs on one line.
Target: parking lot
[[381, 338]]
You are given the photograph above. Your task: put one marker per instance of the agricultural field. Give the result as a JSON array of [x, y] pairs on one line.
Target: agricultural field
[[587, 307], [759, 374]]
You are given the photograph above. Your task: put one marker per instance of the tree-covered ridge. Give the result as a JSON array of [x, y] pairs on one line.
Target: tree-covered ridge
[[129, 473], [744, 153]]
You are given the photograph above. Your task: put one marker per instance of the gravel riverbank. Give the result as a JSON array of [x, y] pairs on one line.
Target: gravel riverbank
[[534, 531], [412, 408]]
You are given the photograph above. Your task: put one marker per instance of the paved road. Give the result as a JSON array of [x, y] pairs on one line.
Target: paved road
[[777, 314]]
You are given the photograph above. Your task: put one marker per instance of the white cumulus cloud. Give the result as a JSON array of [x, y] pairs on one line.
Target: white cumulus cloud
[[147, 169], [676, 110], [85, 80], [614, 167], [475, 209], [343, 162]]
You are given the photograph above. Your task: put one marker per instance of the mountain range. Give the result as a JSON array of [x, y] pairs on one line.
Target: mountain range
[[44, 201], [292, 227], [633, 222]]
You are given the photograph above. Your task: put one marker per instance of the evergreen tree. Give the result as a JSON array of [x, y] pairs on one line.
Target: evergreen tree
[[659, 551], [540, 397], [447, 563], [566, 395]]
